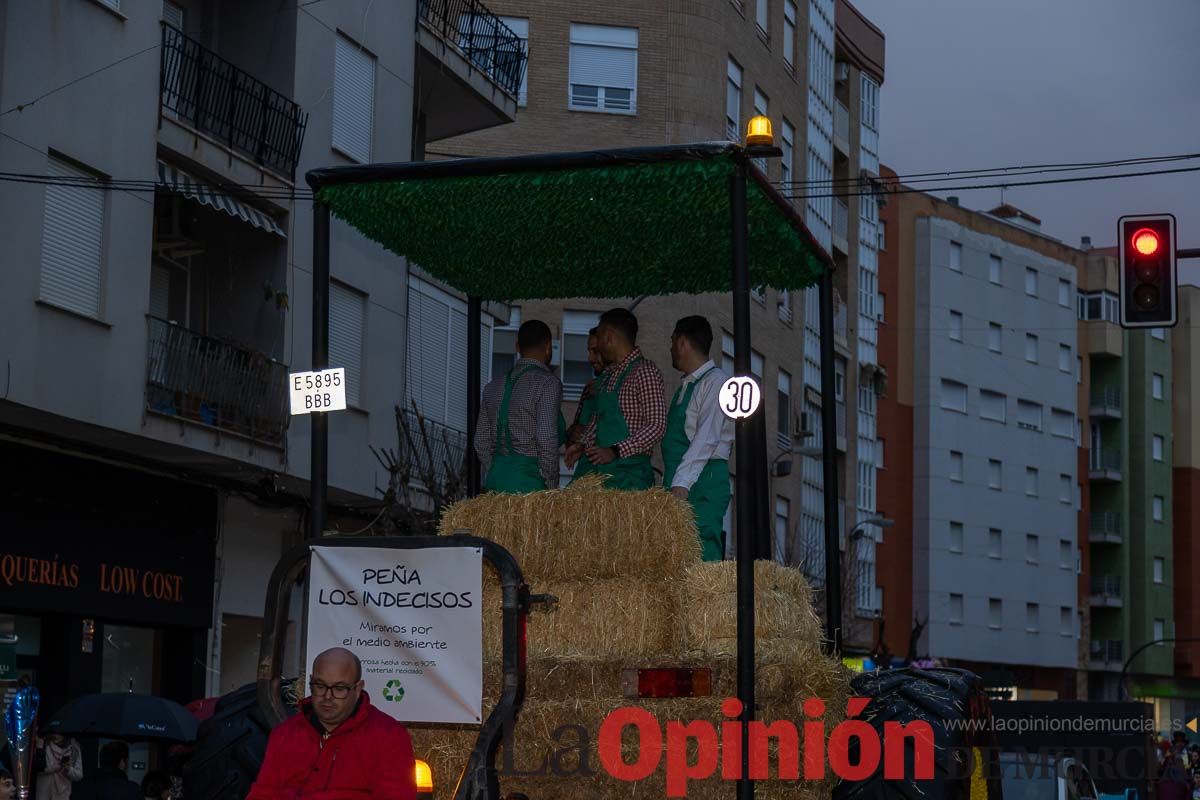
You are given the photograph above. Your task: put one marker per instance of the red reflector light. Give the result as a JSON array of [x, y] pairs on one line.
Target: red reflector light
[[1145, 241], [667, 682]]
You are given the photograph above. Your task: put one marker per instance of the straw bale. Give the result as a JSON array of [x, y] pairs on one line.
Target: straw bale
[[783, 610], [584, 532]]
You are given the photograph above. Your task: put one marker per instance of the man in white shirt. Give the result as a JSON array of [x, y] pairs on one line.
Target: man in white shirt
[[699, 437]]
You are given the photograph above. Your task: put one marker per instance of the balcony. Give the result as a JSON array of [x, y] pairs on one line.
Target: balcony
[[1105, 402], [199, 88], [1105, 527], [841, 225], [470, 68], [1106, 591], [1105, 339], [1105, 465], [841, 128], [215, 383], [433, 450], [1106, 654]]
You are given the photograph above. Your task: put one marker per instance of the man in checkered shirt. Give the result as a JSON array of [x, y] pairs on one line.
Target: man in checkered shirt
[[631, 408]]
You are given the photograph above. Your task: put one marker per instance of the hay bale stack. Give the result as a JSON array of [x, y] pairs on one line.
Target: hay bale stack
[[584, 532]]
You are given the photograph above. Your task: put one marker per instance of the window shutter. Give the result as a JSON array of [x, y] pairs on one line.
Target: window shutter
[[347, 315], [172, 14], [72, 241], [428, 334], [353, 99], [160, 291], [593, 65]]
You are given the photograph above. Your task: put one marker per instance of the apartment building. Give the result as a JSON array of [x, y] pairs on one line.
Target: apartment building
[[984, 347], [1185, 451], [156, 280], [629, 74]]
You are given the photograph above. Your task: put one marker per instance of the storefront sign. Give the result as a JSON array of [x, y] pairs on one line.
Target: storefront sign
[[414, 618]]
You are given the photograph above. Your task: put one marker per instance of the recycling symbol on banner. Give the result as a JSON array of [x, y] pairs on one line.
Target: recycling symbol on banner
[[393, 691]]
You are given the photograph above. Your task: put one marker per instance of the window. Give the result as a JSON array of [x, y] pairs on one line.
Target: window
[[520, 27], [353, 99], [1065, 489], [994, 265], [1160, 631], [789, 32], [1031, 481], [1031, 617], [882, 226], [1066, 621], [504, 343], [1031, 281], [1156, 447], [172, 14], [954, 396], [762, 15], [995, 613], [956, 256], [1159, 566], [1029, 415], [991, 405], [756, 365], [347, 318], [956, 537], [727, 353], [1078, 370], [115, 5], [1065, 555], [879, 453], [1062, 423], [1157, 508], [72, 241], [576, 371], [956, 609], [786, 165], [1098, 306], [882, 303], [733, 102], [1064, 292], [995, 333], [784, 302], [1156, 386], [1031, 348], [1159, 333], [603, 68], [782, 513], [1031, 548], [995, 544], [1064, 358], [783, 434], [995, 474], [956, 326], [956, 466]]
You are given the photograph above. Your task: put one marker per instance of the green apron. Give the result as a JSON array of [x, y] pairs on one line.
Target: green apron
[[709, 495], [587, 410], [631, 473], [511, 472]]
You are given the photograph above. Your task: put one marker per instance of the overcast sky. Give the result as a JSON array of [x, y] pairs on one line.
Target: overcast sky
[[989, 83]]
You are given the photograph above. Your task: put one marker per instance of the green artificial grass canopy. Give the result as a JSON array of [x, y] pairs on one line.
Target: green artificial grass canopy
[[620, 224]]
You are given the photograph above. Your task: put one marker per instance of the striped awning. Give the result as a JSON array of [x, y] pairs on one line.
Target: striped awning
[[176, 181]]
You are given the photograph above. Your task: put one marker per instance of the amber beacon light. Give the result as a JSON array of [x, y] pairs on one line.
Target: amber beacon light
[[758, 132]]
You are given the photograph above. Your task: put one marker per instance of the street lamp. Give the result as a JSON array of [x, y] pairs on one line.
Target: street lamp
[[878, 522], [780, 470]]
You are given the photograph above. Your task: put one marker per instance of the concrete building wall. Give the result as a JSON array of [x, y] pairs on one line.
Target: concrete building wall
[[1019, 576]]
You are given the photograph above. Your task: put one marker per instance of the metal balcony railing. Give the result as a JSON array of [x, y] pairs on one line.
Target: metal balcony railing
[[216, 383], [1108, 460], [1106, 397], [841, 219], [435, 448], [1106, 586], [199, 87], [841, 122], [481, 36], [1104, 525], [1107, 650]]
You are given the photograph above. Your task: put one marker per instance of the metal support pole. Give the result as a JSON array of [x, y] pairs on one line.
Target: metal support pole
[[833, 564], [319, 466], [1187, 252], [764, 533], [746, 495], [474, 390]]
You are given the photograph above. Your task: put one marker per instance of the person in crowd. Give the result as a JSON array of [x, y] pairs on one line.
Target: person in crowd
[[62, 766], [8, 789], [699, 436], [156, 785], [304, 754], [517, 438], [110, 782], [631, 408], [585, 411], [1173, 783]]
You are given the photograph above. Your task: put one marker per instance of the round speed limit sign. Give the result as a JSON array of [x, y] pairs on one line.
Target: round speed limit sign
[[740, 397]]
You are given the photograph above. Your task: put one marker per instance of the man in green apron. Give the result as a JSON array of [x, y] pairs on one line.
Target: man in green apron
[[517, 437], [586, 410], [699, 436], [630, 415]]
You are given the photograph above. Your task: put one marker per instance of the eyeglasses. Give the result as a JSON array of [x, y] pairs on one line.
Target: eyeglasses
[[339, 691]]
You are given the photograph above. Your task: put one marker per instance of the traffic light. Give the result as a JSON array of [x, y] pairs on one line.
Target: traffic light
[[1148, 275]]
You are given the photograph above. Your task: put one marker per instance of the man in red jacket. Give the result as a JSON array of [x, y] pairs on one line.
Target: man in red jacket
[[339, 747]]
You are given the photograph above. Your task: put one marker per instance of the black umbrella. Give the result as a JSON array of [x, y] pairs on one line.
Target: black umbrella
[[124, 715]]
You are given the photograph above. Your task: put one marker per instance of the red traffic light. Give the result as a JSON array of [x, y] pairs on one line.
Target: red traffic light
[[1145, 241]]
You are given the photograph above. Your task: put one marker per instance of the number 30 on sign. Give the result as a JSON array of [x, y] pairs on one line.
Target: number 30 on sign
[[318, 391], [740, 397]]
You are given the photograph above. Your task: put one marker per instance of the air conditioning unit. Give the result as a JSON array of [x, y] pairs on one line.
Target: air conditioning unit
[[802, 425], [842, 72]]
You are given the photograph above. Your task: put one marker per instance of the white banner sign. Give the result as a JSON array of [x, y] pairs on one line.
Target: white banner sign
[[318, 391], [414, 619]]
